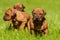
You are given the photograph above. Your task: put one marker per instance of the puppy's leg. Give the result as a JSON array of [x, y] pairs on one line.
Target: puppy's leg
[[22, 25], [10, 24], [32, 31], [45, 32], [28, 26], [45, 27], [15, 27], [31, 26]]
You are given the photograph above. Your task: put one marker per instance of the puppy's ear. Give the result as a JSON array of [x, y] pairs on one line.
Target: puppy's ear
[[44, 12], [14, 7], [32, 12], [23, 6]]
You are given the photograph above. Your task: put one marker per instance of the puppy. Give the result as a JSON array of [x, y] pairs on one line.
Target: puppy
[[38, 23], [17, 18], [9, 16], [22, 18], [19, 7]]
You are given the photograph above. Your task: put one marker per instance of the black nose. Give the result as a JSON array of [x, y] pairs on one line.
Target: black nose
[[37, 18], [4, 18]]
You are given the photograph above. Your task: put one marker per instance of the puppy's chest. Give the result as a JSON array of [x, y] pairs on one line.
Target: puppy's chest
[[37, 26]]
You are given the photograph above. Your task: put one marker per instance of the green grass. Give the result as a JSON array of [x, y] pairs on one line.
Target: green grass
[[52, 8]]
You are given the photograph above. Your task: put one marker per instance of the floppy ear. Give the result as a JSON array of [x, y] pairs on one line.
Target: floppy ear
[[23, 6], [44, 12], [32, 12], [14, 7]]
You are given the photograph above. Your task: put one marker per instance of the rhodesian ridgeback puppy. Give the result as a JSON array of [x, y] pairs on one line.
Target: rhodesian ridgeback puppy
[[38, 24], [17, 18]]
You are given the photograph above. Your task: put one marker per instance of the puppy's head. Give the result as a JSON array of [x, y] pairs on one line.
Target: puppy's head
[[19, 6], [8, 14], [38, 14]]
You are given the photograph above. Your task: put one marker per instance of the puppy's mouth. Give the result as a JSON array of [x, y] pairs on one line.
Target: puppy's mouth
[[5, 19], [36, 19]]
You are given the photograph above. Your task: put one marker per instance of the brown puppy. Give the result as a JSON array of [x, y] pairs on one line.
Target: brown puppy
[[17, 18], [9, 16], [19, 7], [22, 18], [38, 24]]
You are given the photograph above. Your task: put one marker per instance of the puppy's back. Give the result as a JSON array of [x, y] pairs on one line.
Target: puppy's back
[[26, 15]]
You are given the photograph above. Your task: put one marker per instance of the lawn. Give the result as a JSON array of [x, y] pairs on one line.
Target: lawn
[[52, 8]]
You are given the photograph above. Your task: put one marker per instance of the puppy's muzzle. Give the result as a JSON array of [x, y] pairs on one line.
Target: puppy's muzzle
[[36, 18], [5, 19]]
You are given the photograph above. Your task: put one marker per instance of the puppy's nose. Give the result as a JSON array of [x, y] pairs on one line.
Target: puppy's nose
[[4, 18], [37, 18]]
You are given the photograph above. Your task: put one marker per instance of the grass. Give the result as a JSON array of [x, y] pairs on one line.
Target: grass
[[52, 8]]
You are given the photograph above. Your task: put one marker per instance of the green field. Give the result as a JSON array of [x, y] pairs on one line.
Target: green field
[[52, 8]]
